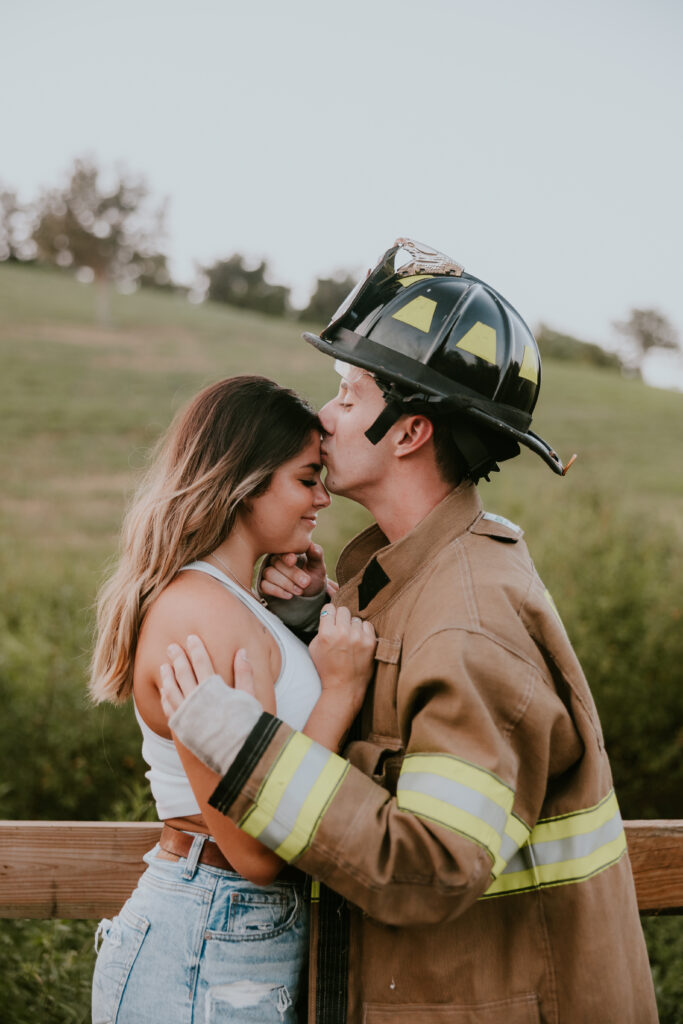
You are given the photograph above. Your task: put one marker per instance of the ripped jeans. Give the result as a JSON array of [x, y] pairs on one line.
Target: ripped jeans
[[199, 945]]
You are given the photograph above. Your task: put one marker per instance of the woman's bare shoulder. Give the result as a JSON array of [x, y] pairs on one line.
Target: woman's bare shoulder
[[192, 603], [195, 600]]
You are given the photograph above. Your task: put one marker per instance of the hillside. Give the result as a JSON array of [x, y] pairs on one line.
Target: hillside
[[81, 409], [82, 405]]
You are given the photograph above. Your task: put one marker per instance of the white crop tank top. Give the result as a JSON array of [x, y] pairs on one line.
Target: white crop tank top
[[296, 691]]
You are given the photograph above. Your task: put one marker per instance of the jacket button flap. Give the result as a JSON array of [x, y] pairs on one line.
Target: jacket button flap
[[490, 525], [388, 651]]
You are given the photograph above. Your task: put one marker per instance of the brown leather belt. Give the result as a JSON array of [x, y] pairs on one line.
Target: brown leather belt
[[179, 843]]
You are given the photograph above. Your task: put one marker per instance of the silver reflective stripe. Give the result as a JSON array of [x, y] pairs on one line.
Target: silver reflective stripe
[[293, 797], [457, 795], [563, 850], [577, 846]]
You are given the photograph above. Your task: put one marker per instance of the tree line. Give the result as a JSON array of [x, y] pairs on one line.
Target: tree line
[[113, 233]]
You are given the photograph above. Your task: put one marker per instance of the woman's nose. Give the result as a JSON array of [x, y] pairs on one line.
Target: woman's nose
[[322, 498]]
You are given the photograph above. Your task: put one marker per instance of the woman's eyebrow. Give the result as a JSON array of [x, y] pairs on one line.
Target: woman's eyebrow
[[314, 466]]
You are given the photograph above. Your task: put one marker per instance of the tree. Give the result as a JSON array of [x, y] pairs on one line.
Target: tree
[[16, 243], [233, 282], [114, 231], [329, 294], [554, 345], [647, 329]]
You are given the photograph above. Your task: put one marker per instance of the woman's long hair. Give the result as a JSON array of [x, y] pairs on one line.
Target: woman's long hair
[[221, 451]]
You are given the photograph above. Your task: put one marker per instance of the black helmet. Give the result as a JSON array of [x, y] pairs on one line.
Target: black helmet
[[443, 343]]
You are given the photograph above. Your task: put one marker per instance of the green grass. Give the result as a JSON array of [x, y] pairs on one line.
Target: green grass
[[81, 407]]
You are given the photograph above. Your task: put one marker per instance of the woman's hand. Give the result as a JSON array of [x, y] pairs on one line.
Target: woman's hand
[[343, 652], [290, 575], [188, 668]]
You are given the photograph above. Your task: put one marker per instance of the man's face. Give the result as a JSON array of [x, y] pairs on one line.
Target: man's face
[[354, 465]]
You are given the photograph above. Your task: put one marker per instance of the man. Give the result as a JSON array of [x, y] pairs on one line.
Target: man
[[471, 826]]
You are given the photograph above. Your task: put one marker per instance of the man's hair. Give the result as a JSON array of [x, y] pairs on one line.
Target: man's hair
[[449, 461]]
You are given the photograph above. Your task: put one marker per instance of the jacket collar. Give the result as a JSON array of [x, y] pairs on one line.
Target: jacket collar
[[389, 566]]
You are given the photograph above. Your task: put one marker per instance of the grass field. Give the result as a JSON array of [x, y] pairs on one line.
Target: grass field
[[82, 406]]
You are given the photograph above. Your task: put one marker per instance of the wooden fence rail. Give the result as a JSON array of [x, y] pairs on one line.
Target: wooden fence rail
[[87, 869]]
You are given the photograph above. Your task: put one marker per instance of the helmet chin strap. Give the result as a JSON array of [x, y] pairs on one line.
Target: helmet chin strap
[[390, 414], [475, 453]]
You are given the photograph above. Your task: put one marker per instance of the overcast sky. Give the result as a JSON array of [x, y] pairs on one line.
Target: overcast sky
[[538, 143]]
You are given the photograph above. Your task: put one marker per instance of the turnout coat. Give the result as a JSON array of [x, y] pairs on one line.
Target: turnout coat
[[471, 826]]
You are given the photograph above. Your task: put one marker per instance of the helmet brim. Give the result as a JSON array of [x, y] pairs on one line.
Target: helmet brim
[[363, 354], [338, 352]]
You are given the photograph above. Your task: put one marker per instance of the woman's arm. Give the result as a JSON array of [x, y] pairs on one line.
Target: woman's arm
[[343, 652], [195, 602], [248, 856]]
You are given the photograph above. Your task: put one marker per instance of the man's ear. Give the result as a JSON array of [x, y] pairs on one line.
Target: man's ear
[[412, 433]]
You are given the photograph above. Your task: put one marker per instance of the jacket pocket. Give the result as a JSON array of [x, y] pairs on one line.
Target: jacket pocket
[[121, 941], [387, 668], [522, 1009]]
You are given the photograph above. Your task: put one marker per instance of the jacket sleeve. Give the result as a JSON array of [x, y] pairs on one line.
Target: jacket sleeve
[[482, 728]]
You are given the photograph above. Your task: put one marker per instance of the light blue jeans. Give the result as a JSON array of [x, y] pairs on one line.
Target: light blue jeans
[[198, 945]]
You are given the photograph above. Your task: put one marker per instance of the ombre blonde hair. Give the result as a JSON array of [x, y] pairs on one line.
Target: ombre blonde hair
[[221, 451]]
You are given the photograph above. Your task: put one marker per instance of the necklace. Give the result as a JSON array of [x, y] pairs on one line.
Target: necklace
[[232, 576]]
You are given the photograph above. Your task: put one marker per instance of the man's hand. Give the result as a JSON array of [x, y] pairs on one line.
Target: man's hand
[[290, 575], [187, 669]]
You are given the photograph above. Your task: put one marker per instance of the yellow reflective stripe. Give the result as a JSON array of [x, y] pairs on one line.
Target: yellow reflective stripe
[[454, 768], [275, 784], [529, 368], [480, 340], [517, 834], [417, 313], [313, 808], [315, 891], [517, 830], [566, 849], [451, 817], [577, 823], [405, 281], [549, 598], [564, 873], [294, 796], [457, 795]]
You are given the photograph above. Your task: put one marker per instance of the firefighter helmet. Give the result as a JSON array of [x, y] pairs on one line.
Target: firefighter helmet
[[441, 342]]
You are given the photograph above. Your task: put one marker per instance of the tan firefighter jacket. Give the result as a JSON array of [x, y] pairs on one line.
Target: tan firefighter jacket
[[472, 826]]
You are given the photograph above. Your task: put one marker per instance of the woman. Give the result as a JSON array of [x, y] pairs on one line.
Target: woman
[[215, 929]]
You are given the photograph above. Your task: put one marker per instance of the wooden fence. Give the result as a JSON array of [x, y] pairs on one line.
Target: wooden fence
[[87, 869]]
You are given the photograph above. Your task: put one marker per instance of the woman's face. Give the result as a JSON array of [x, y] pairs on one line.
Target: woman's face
[[284, 517]]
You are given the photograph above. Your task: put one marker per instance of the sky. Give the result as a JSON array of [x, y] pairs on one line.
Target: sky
[[538, 144]]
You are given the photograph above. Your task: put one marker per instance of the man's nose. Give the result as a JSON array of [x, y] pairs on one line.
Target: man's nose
[[326, 417]]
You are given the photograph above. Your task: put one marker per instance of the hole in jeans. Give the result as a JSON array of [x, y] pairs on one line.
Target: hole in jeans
[[243, 994]]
